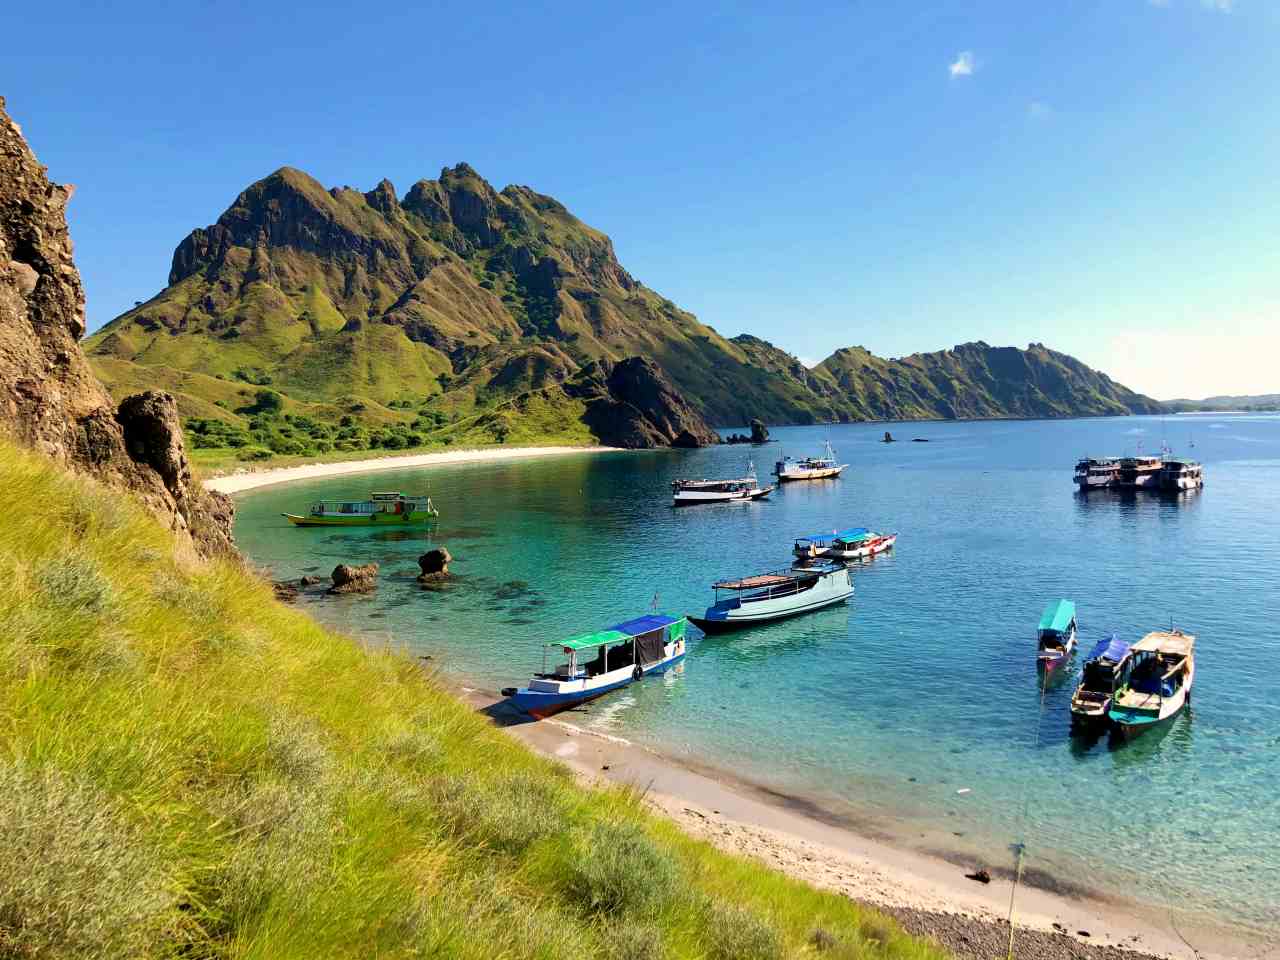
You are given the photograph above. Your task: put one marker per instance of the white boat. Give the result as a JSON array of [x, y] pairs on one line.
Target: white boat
[[1181, 475], [1156, 683], [1097, 473], [1139, 473], [690, 492], [810, 468], [600, 662], [774, 595], [856, 543]]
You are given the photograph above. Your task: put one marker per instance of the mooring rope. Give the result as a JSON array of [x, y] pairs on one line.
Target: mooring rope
[[1021, 846]]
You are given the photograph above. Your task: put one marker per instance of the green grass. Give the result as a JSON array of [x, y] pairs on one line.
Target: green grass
[[189, 768]]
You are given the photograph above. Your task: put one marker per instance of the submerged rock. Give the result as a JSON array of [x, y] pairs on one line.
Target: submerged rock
[[284, 590], [354, 579], [435, 565]]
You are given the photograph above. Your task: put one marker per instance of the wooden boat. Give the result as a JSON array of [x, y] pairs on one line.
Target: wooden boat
[[856, 543], [1056, 634], [1139, 473], [380, 508], [810, 468], [600, 662], [1156, 682], [774, 595], [1102, 670], [1181, 475], [1097, 473], [691, 492]]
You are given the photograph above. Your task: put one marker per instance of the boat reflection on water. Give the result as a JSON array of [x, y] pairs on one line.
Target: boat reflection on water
[[1156, 502]]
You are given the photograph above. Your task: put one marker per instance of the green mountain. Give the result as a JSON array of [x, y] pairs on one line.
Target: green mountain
[[1257, 402], [462, 312]]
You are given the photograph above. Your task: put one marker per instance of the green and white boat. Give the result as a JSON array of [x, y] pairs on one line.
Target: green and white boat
[[396, 509]]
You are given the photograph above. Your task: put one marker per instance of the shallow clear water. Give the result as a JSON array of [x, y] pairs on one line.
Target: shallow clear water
[[924, 685]]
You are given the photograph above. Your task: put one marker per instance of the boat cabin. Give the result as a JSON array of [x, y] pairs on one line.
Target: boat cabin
[[1103, 667], [1057, 628], [390, 503], [1159, 663]]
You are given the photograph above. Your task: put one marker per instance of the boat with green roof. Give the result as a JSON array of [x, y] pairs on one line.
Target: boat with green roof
[[398, 509], [600, 662]]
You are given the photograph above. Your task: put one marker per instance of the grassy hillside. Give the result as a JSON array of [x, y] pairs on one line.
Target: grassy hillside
[[188, 768]]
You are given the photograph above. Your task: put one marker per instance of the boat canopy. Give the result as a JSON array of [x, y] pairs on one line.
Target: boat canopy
[[620, 632], [778, 578], [1058, 616], [1112, 648], [850, 534], [1174, 643]]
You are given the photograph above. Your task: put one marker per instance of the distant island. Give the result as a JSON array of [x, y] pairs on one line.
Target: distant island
[[1260, 403], [309, 320]]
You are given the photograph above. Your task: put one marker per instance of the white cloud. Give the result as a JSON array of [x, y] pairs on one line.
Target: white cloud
[[963, 65], [809, 362]]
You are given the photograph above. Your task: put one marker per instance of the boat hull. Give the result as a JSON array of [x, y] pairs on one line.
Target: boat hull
[[361, 520], [691, 498], [1130, 722]]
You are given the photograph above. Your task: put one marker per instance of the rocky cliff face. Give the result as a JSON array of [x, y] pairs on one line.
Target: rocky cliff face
[[49, 397], [632, 404]]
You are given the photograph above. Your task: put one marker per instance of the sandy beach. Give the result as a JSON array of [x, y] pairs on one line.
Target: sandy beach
[[248, 479], [929, 896]]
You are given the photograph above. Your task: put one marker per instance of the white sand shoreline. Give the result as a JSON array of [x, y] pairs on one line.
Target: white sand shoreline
[[735, 817], [248, 479]]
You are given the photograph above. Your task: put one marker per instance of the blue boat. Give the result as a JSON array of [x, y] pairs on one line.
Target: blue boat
[[1102, 671], [1056, 634], [600, 662]]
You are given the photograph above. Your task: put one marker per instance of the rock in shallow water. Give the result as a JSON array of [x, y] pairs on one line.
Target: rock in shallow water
[[354, 579], [435, 565]]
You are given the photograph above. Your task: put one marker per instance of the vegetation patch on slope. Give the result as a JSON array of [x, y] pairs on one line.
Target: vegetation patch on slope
[[189, 768]]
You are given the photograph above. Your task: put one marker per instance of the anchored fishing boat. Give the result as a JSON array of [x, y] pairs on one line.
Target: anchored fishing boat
[[1092, 699], [810, 468], [689, 492], [1097, 473], [380, 508], [600, 662], [1057, 634], [1156, 682], [774, 595]]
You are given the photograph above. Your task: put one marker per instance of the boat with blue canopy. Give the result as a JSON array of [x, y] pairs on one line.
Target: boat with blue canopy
[[1056, 634], [1102, 669], [599, 662]]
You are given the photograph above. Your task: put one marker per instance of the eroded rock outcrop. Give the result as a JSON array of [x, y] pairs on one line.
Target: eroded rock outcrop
[[348, 578], [632, 404], [49, 398]]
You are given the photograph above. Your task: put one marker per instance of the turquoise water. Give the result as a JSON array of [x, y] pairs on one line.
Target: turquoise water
[[924, 685]]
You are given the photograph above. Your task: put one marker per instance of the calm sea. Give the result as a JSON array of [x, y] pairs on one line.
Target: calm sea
[[924, 685]]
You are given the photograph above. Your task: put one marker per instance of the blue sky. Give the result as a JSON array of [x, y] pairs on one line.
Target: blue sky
[[1098, 176]]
